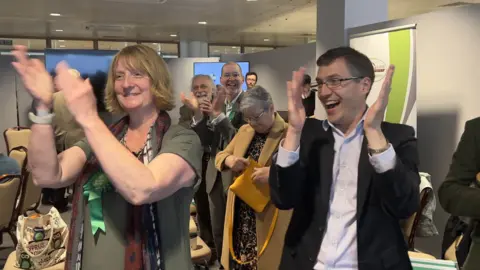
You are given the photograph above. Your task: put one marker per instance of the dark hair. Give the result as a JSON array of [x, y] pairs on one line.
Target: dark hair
[[358, 64], [307, 79], [251, 73]]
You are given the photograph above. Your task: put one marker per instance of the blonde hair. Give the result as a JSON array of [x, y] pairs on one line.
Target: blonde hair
[[145, 59]]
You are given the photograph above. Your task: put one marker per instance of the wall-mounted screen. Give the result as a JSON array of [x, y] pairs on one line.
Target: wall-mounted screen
[[214, 69], [91, 64]]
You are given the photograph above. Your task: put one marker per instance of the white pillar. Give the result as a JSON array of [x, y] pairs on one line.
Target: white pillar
[[193, 49], [334, 17]]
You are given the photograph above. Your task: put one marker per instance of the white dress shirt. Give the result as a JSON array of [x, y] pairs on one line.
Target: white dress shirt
[[339, 246]]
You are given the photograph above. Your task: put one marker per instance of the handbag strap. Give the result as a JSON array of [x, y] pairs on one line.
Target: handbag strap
[[22, 243], [267, 240]]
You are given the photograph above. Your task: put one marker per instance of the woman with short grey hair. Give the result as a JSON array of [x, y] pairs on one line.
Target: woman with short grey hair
[[255, 232], [256, 96]]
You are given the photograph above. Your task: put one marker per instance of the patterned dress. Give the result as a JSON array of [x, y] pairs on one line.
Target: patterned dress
[[244, 224]]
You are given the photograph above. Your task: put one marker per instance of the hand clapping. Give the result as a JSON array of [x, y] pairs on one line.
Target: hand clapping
[[35, 77]]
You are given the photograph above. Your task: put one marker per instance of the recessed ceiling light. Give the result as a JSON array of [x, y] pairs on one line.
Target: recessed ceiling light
[[251, 0], [202, 22], [61, 40], [55, 14], [233, 47], [266, 39], [59, 30], [173, 35], [62, 46]]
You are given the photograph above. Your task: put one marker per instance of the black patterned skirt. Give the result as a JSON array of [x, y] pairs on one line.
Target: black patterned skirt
[[244, 236]]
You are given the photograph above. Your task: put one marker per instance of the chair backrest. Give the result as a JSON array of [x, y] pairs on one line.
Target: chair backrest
[[30, 193], [16, 136], [9, 192], [19, 154]]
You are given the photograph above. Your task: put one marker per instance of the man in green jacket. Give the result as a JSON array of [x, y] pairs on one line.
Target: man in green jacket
[[456, 195]]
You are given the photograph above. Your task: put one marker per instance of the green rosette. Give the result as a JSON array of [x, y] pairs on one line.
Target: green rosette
[[93, 190]]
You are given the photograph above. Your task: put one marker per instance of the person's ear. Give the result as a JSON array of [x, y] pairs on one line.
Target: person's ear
[[366, 85]]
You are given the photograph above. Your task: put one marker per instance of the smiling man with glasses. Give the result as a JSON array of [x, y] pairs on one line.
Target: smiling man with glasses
[[349, 178]]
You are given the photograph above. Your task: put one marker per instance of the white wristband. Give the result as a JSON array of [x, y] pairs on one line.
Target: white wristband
[[42, 120]]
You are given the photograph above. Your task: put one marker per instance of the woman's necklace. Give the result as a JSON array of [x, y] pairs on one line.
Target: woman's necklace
[[139, 152]]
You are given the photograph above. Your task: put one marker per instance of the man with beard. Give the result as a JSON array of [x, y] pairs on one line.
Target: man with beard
[[225, 118], [196, 109]]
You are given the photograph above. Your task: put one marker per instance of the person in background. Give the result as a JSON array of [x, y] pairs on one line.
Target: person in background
[[251, 78], [199, 106], [308, 96], [459, 194], [8, 165], [349, 178], [67, 133], [225, 118], [135, 180], [257, 140]]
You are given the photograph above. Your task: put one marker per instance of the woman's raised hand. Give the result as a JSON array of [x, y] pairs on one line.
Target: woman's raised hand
[[35, 77]]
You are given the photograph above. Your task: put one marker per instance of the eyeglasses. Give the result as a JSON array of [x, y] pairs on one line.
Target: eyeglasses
[[334, 83], [254, 119], [231, 75]]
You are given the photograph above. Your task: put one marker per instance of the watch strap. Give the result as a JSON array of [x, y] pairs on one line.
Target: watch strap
[[41, 120], [379, 151]]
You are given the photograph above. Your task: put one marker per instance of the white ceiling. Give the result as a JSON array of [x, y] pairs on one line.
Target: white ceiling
[[261, 22]]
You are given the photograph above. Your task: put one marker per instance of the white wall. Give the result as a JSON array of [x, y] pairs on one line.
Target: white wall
[[8, 115], [448, 95], [274, 68]]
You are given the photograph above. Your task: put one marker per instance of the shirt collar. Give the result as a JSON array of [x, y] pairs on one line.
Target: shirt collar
[[235, 99], [326, 124]]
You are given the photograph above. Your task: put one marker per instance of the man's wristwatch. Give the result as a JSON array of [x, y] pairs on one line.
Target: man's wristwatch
[[42, 117], [378, 151]]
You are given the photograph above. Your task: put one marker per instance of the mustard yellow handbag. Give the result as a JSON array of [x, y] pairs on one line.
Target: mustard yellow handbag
[[257, 197], [254, 195]]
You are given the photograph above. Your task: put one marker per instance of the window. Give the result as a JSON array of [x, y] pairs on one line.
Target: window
[[216, 51], [72, 44], [257, 49], [114, 45], [167, 50], [31, 44]]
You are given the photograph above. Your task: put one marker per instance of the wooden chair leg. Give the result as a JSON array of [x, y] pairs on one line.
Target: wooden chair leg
[[14, 238]]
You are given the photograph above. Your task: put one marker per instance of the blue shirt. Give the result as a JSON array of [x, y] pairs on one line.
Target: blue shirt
[[8, 165]]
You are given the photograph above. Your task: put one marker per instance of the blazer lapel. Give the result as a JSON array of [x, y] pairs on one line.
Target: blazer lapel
[[365, 171], [326, 154]]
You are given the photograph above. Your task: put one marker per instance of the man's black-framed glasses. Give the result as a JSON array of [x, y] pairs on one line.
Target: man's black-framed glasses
[[334, 83]]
